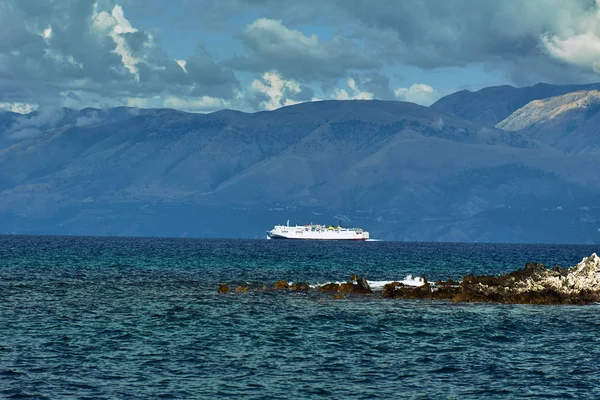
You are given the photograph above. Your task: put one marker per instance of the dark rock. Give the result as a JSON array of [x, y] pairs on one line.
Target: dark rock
[[223, 289], [398, 290], [330, 287], [281, 285], [449, 282], [337, 296], [562, 271], [364, 285], [300, 287], [353, 288], [489, 280]]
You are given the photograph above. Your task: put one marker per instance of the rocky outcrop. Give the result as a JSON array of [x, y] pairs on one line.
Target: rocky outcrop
[[359, 286], [534, 284], [223, 289], [330, 287], [300, 287], [281, 285]]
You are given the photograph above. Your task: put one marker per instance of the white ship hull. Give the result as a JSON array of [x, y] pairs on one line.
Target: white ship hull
[[316, 232]]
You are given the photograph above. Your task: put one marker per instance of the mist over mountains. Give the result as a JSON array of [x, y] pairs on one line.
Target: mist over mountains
[[502, 164]]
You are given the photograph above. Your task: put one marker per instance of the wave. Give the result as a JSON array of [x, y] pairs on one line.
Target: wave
[[409, 280]]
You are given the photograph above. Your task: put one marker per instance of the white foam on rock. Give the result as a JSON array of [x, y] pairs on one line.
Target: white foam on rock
[[409, 280]]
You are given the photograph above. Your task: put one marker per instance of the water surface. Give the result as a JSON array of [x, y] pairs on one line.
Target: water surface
[[84, 317]]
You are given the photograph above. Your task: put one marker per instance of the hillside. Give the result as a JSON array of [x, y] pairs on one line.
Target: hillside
[[403, 171], [489, 106], [568, 122]]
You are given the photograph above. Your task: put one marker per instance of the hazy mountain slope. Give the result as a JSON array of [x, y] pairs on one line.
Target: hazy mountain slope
[[398, 169], [568, 122], [491, 105]]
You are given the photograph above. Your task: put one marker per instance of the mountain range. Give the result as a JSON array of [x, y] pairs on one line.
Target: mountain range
[[502, 164]]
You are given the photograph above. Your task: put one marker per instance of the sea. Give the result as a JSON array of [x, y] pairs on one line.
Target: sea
[[140, 318]]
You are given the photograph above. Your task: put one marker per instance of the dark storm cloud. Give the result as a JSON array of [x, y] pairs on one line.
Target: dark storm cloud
[[271, 45], [505, 36]]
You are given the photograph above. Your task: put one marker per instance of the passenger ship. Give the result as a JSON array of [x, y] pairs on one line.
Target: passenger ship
[[316, 232]]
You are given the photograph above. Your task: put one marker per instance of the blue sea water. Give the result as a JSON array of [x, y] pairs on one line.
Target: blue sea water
[[140, 318]]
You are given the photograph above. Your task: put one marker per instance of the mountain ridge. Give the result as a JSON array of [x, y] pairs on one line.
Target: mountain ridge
[[490, 105], [400, 170]]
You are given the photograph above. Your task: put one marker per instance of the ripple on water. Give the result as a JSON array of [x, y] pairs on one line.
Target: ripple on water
[[140, 318]]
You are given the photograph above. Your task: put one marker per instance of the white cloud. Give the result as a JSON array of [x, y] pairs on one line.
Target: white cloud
[[296, 40], [354, 93], [115, 25], [145, 102], [21, 108], [582, 49], [31, 125], [47, 33], [182, 64], [576, 39], [201, 104], [276, 89], [418, 93]]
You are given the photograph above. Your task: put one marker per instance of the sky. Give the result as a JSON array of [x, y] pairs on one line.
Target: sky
[[253, 55]]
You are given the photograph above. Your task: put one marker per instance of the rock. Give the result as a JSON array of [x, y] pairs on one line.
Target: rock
[[300, 287], [346, 287], [330, 287], [337, 296], [242, 289], [223, 289], [536, 284], [398, 290], [354, 278], [364, 285], [349, 287], [449, 282], [562, 271], [281, 285], [489, 280]]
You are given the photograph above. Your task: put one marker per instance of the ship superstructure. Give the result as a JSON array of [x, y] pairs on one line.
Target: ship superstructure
[[316, 232]]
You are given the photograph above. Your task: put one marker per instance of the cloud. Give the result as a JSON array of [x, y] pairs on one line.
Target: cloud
[[202, 104], [21, 108], [418, 93], [86, 53], [273, 91], [354, 93], [90, 119], [582, 49], [271, 45], [104, 53], [576, 41], [523, 41], [32, 124]]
